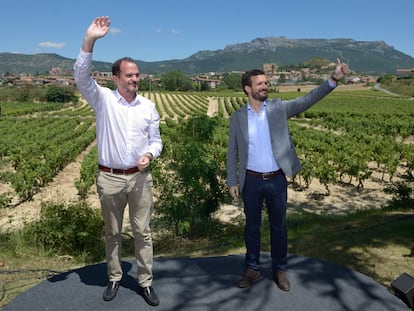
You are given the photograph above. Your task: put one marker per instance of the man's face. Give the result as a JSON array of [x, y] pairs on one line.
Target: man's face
[[128, 79], [259, 87]]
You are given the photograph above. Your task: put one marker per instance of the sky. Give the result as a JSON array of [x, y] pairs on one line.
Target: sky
[[160, 30]]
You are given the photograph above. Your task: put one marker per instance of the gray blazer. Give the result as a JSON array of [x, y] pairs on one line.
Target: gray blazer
[[278, 113]]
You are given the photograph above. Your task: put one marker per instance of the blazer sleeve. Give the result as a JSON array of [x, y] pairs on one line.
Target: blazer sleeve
[[232, 153], [295, 106]]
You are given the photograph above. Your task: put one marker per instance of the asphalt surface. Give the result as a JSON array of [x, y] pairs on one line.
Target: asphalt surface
[[209, 283]]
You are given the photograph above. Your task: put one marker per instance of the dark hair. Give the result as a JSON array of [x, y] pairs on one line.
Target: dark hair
[[246, 77], [116, 67]]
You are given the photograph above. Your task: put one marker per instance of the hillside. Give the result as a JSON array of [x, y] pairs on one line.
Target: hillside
[[373, 57]]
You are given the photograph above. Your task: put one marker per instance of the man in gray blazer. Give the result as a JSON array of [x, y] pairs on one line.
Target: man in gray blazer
[[260, 155]]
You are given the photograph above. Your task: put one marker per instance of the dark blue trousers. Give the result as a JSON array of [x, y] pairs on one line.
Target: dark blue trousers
[[273, 192]]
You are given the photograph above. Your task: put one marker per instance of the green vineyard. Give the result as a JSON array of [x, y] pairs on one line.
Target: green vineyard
[[342, 139]]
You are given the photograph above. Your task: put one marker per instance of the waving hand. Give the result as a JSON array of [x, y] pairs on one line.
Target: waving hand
[[98, 29]]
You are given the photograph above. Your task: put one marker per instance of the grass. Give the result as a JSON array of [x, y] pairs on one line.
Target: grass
[[377, 243]]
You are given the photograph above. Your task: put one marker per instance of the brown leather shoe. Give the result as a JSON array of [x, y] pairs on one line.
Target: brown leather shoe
[[250, 277], [281, 280]]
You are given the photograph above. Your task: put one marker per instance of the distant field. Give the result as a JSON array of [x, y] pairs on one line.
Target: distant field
[[307, 88]]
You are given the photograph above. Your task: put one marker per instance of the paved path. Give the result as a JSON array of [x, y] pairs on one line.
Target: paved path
[[201, 284]]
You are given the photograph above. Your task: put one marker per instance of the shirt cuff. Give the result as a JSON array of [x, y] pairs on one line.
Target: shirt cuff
[[332, 83], [84, 56]]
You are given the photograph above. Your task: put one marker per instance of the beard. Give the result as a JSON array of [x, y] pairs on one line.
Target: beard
[[260, 95]]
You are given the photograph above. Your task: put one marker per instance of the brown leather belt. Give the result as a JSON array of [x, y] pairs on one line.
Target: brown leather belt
[[131, 170], [264, 176]]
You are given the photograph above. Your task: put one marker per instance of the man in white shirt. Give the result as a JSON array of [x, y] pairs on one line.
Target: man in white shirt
[[128, 137]]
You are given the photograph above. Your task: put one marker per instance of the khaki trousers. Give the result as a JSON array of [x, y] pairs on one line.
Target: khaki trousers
[[115, 192]]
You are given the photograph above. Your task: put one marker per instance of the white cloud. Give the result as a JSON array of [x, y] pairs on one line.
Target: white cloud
[[54, 45], [158, 30], [114, 31], [175, 31]]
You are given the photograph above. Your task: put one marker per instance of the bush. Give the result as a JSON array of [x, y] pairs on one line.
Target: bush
[[75, 229], [57, 94], [5, 200], [400, 191]]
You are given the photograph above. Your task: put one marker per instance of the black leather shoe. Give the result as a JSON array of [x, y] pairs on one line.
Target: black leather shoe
[[111, 290], [149, 295]]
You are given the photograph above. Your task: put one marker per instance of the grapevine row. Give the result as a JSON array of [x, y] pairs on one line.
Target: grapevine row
[[36, 149], [344, 138]]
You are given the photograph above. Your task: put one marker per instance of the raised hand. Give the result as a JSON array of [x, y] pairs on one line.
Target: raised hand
[[341, 70], [98, 29]]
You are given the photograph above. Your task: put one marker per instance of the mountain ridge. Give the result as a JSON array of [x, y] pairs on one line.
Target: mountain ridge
[[368, 57]]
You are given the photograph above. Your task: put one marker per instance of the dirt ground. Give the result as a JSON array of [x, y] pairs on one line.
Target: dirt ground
[[343, 198]]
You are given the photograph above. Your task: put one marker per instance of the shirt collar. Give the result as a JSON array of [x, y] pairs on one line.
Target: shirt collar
[[263, 107], [122, 100]]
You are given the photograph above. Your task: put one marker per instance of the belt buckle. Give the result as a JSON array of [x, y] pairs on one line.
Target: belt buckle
[[265, 177]]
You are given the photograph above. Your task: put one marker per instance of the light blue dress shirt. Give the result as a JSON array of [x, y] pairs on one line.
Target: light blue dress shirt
[[260, 155]]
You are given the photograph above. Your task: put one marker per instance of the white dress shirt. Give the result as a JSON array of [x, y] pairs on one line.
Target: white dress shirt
[[125, 131]]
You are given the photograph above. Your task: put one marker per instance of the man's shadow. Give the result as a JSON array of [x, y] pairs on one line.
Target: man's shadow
[[96, 275]]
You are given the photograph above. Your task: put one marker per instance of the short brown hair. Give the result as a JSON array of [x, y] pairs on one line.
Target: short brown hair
[[116, 67], [246, 77]]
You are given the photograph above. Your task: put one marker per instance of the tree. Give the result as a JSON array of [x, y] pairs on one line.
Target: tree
[[233, 81], [110, 84], [386, 78], [58, 94], [204, 86], [24, 93], [144, 84], [176, 81]]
